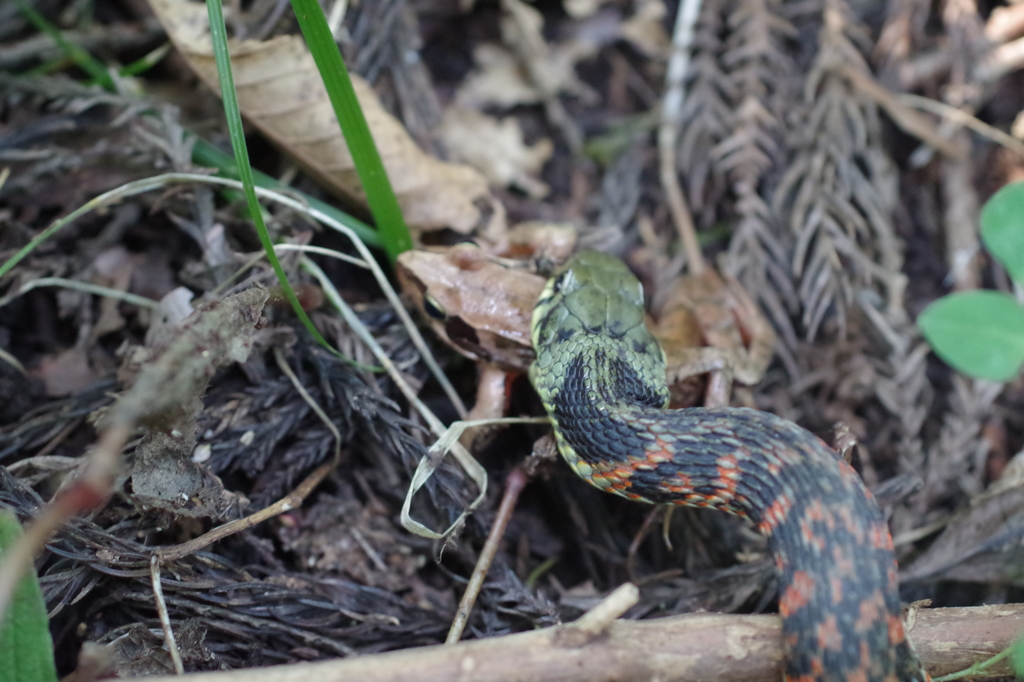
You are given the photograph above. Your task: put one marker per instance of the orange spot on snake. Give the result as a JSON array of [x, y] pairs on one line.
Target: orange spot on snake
[[728, 476], [796, 594], [837, 590], [871, 609], [844, 564], [775, 514], [828, 634], [896, 633], [880, 537], [859, 675], [810, 538]]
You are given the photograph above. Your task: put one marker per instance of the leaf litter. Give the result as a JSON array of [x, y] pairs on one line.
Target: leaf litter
[[800, 168]]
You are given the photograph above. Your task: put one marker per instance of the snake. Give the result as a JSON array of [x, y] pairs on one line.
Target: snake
[[600, 374]]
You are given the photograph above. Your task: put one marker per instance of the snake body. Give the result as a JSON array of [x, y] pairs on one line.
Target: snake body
[[601, 376]]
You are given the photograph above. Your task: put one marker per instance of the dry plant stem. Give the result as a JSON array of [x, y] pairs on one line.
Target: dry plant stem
[[597, 620], [965, 119], [906, 118], [52, 444], [80, 496], [428, 464], [1005, 23], [285, 504], [688, 648], [165, 619], [960, 218], [638, 538], [12, 361], [668, 131], [1004, 59], [514, 485], [85, 287]]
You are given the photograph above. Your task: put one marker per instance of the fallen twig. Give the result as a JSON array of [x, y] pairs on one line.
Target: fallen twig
[[514, 485], [689, 648]]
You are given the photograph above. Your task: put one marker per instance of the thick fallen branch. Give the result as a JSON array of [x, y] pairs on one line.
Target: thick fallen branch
[[709, 647]]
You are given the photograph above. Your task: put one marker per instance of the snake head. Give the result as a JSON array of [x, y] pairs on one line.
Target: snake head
[[593, 292], [590, 319]]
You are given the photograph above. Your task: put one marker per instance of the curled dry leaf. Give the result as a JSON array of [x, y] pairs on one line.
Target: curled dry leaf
[[281, 93], [496, 148]]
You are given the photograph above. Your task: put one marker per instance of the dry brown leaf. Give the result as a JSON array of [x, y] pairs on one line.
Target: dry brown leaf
[[645, 30], [496, 148], [66, 372], [1018, 126], [498, 81], [281, 93], [580, 9], [501, 80]]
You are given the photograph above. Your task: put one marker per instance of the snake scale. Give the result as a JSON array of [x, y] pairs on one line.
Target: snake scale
[[601, 376]]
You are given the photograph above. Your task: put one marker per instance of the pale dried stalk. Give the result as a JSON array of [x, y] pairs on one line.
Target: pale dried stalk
[[693, 648], [703, 114], [165, 619], [671, 107]]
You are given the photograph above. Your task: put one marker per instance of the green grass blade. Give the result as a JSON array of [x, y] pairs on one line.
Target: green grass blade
[[379, 195], [205, 154], [146, 62], [82, 59], [218, 32]]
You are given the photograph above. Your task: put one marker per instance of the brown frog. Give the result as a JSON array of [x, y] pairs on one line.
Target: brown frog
[[479, 305], [482, 308]]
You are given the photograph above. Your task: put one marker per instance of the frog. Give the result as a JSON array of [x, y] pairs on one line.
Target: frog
[[481, 306]]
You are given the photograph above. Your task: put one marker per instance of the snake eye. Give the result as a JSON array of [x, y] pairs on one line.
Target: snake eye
[[434, 309]]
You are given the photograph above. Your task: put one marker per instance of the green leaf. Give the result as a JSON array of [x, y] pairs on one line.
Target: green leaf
[[980, 333], [26, 649], [1002, 228]]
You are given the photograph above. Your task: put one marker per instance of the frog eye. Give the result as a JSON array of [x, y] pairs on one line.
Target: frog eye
[[433, 308]]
